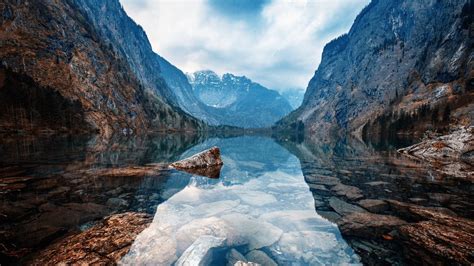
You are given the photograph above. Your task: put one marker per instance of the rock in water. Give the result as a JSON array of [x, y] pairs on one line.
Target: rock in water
[[200, 252], [206, 163], [105, 243]]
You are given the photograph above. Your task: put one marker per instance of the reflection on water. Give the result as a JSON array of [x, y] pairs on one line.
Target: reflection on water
[[280, 198], [80, 180], [260, 203]]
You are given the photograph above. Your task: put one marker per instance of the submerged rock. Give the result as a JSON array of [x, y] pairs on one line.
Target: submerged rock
[[200, 252], [105, 243], [233, 257], [261, 258], [206, 163]]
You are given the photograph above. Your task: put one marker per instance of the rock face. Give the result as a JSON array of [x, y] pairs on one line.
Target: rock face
[[104, 243], [207, 163], [397, 57], [63, 52], [238, 101]]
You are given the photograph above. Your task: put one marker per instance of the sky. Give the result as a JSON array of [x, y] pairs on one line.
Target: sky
[[277, 43]]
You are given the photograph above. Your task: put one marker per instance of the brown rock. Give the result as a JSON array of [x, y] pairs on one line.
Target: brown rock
[[350, 192], [206, 163], [373, 205], [105, 243], [432, 243], [368, 225], [342, 207]]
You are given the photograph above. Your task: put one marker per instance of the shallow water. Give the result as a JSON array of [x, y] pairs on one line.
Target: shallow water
[[260, 202], [274, 195]]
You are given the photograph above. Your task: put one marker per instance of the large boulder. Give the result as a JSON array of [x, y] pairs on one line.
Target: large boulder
[[206, 163]]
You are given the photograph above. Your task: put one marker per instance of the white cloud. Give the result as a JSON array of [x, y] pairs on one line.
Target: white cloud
[[280, 47]]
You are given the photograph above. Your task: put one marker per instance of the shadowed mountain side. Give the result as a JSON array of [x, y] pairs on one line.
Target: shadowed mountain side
[[399, 68], [57, 47]]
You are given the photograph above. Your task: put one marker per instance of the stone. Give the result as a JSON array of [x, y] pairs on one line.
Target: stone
[[200, 252], [197, 163], [300, 244], [260, 257], [117, 203], [351, 192], [343, 208], [104, 243], [212, 226], [368, 225], [330, 216], [451, 146], [373, 205], [255, 233], [210, 157], [242, 263], [431, 242], [377, 183], [233, 257], [256, 198]]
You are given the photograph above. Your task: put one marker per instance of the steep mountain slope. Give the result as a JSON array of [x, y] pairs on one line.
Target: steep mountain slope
[[51, 52], [405, 62], [238, 101], [183, 91], [128, 39]]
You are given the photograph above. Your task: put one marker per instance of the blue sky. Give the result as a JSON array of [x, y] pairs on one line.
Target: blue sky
[[277, 43]]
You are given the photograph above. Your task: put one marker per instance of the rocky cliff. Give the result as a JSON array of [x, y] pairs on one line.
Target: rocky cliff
[[238, 101], [58, 52], [404, 66]]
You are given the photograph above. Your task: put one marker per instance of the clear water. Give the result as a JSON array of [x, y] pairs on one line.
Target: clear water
[[273, 195], [260, 202]]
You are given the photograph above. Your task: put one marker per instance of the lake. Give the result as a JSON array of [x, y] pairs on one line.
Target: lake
[[305, 202]]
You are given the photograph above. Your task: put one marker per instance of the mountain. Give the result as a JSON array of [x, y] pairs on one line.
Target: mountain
[[404, 66], [238, 101], [293, 96], [81, 65]]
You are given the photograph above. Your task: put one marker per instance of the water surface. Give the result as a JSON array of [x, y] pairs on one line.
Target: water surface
[[260, 202]]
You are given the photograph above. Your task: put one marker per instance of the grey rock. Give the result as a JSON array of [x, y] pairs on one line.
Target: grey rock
[[233, 256], [200, 252], [331, 216], [242, 263], [260, 257], [343, 208], [117, 203]]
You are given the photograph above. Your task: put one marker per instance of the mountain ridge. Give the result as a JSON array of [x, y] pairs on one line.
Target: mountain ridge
[[390, 63], [237, 100]]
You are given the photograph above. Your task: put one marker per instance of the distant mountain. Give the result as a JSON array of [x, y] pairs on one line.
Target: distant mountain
[[81, 65], [238, 101], [293, 96], [405, 66]]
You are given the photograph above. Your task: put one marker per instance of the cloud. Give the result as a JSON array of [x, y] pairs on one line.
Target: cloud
[[276, 43]]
